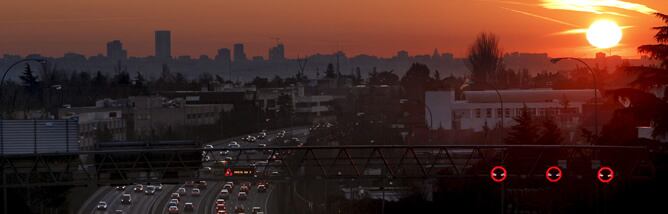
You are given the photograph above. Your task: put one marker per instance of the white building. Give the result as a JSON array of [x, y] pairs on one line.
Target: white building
[[480, 108], [315, 107]]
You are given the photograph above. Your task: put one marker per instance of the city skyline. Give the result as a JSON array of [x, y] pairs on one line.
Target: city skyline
[[418, 28]]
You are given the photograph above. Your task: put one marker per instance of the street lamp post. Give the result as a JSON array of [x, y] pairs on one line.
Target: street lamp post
[[2, 146], [2, 81], [593, 74]]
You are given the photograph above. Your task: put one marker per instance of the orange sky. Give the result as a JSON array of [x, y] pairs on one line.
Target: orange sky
[[380, 27]]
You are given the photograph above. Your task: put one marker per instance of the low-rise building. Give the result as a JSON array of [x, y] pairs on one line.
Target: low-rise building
[[483, 108]]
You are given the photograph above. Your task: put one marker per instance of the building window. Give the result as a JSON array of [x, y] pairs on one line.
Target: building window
[[112, 114], [499, 113], [507, 113], [477, 113], [489, 113]]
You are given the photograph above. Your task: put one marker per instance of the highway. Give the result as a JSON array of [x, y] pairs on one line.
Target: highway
[[205, 202]]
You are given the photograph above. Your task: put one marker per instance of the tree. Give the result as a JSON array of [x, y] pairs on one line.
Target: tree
[[330, 73], [550, 133], [416, 80], [30, 81], [383, 78], [484, 57], [638, 100], [525, 132]]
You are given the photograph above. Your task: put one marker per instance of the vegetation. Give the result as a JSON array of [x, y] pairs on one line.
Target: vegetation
[[640, 105]]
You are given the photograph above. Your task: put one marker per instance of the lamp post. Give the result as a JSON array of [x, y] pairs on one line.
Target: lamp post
[[2, 81], [593, 74]]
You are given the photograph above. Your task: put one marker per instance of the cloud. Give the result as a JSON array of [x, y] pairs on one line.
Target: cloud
[[542, 17], [597, 6]]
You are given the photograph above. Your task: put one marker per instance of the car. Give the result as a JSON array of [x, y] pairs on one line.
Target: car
[[262, 145], [173, 210], [158, 187], [243, 188], [189, 184], [150, 190], [207, 158], [221, 212], [228, 187], [220, 206], [102, 205], [175, 195], [188, 207], [208, 146], [275, 173], [181, 191], [255, 210], [242, 196], [232, 145], [220, 201], [239, 208], [202, 184], [120, 188], [261, 188], [262, 135], [173, 202], [195, 192], [294, 140], [224, 152], [138, 188], [118, 212], [126, 199], [261, 163], [224, 194], [228, 158]]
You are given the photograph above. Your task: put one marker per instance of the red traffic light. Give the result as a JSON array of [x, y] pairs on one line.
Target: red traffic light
[[498, 174], [553, 174], [605, 174]]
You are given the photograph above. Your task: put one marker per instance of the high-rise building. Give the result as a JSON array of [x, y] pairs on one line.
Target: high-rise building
[[277, 53], [224, 55], [239, 54], [163, 44], [115, 50]]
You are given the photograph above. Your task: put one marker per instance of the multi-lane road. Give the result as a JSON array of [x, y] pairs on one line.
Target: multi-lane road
[[205, 202]]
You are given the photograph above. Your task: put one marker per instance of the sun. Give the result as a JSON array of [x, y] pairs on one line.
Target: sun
[[604, 34]]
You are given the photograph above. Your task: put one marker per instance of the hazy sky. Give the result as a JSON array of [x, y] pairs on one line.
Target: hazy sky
[[380, 27]]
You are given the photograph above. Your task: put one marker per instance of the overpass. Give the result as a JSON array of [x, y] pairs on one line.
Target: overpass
[[286, 163]]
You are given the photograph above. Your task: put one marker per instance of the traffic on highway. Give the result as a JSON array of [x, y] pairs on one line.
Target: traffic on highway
[[207, 193]]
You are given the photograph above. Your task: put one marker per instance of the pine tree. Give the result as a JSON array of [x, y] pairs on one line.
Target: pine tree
[[550, 133], [30, 81], [330, 73], [525, 132]]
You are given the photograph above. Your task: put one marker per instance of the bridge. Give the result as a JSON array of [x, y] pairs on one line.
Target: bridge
[[289, 163]]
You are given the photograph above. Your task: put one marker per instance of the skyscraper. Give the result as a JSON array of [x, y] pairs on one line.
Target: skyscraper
[[163, 44], [115, 50], [239, 54], [224, 55], [277, 53]]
